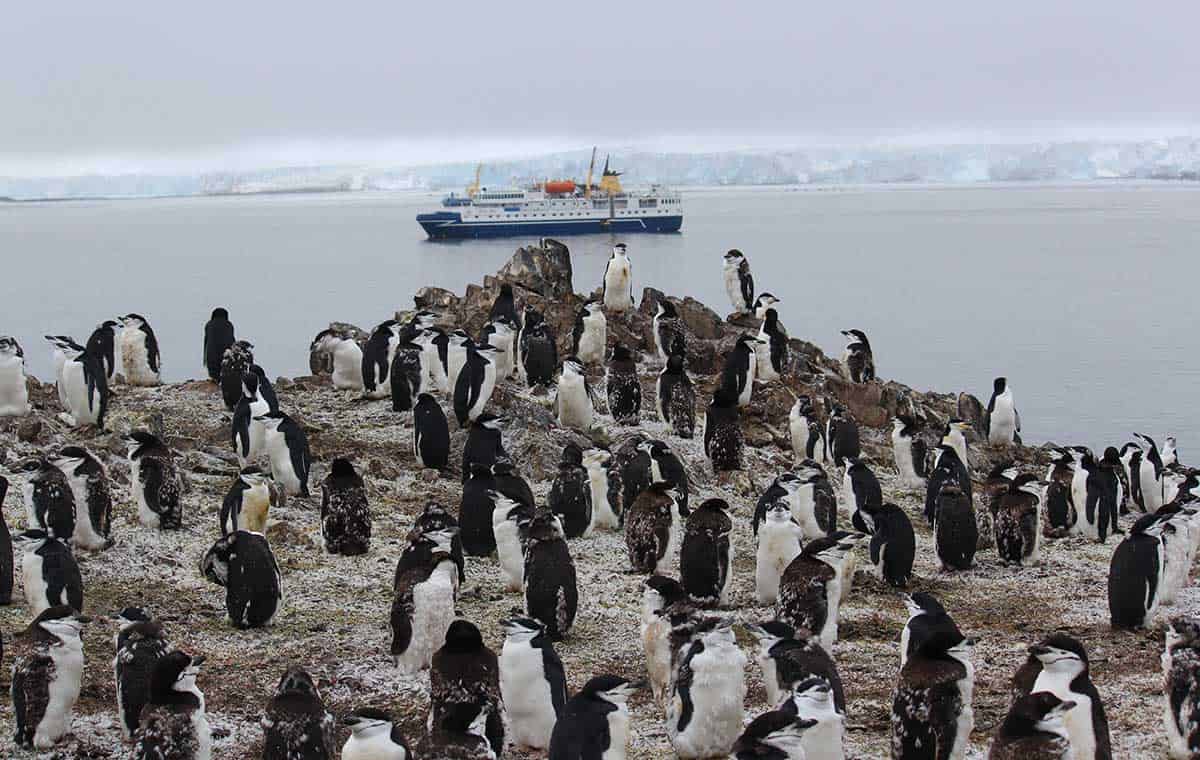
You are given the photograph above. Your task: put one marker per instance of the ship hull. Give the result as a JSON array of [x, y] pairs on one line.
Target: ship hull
[[445, 225]]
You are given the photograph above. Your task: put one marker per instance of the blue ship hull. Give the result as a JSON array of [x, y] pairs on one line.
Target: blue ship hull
[[449, 224]]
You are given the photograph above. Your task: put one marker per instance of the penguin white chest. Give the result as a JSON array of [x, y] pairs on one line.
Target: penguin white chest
[[618, 734], [526, 694], [617, 286], [14, 397], [574, 405], [717, 693], [592, 342], [602, 512], [376, 744], [1078, 719], [347, 366], [1003, 423], [80, 405], [135, 358], [63, 692], [778, 545], [508, 550], [765, 371], [733, 287], [433, 612], [902, 451], [798, 427], [35, 583], [280, 456]]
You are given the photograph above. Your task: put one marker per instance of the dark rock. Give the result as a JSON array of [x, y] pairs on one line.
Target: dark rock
[[29, 429], [971, 410], [435, 299], [544, 269]]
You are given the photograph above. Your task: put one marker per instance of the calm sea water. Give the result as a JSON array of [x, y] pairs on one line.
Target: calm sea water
[[1086, 297]]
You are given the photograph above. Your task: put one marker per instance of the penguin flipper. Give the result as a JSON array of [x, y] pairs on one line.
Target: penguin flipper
[[31, 695]]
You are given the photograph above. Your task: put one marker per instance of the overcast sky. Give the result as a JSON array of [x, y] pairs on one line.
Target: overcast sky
[[128, 85]]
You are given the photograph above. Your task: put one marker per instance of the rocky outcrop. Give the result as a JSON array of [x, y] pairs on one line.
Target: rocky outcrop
[[543, 269]]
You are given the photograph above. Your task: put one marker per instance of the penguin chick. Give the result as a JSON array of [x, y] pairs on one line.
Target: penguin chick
[[466, 673], [345, 513], [140, 643], [652, 527], [675, 396], [706, 556], [1034, 729], [789, 657], [296, 725], [623, 387], [174, 723], [551, 592], [570, 496], [1181, 687], [243, 563], [47, 678], [154, 478], [704, 715]]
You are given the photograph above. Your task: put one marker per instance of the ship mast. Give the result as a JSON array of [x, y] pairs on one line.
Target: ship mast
[[474, 188], [587, 189]]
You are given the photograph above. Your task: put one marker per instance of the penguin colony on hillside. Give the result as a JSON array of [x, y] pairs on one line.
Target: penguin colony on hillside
[[481, 702]]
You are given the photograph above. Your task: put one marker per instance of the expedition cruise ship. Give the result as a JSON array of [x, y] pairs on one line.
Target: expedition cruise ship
[[555, 208]]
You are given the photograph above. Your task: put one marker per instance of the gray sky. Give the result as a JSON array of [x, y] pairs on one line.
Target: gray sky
[[145, 85]]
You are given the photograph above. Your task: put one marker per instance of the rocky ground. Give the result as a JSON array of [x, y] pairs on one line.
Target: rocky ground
[[334, 618]]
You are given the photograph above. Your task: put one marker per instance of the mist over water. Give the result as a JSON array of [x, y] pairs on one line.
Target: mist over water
[[1084, 296]]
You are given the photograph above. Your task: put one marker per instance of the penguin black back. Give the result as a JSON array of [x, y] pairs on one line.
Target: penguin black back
[[431, 433], [6, 550], [218, 336], [551, 591]]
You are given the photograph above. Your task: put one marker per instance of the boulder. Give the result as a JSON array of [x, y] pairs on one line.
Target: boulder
[[544, 269], [435, 299], [701, 322], [971, 411], [29, 429]]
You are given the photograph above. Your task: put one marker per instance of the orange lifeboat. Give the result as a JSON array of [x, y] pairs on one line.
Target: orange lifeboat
[[559, 186]]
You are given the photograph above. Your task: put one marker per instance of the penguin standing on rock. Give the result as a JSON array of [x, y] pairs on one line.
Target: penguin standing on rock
[[155, 481], [857, 360], [218, 337], [247, 504], [1181, 687], [374, 736], [431, 433], [475, 383], [49, 500], [778, 536], [723, 441], [243, 563], [589, 340], [932, 715], [88, 478], [287, 449], [772, 350], [14, 393], [539, 351], [570, 495], [174, 723], [1034, 729], [573, 402], [617, 290], [841, 436], [595, 722], [893, 544], [104, 343], [296, 725], [909, 450], [740, 368], [652, 528], [377, 358], [466, 673], [235, 363], [1001, 421], [739, 283], [50, 573], [1135, 575], [706, 555], [63, 348], [6, 553], [139, 351], [345, 513], [789, 656], [533, 684], [140, 642], [1018, 521], [808, 437], [763, 302], [704, 715], [425, 591], [675, 396], [46, 680], [501, 333], [668, 330], [1061, 667], [551, 593], [623, 387]]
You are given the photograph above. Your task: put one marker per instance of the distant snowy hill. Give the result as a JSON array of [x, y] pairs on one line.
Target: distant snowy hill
[[1176, 158]]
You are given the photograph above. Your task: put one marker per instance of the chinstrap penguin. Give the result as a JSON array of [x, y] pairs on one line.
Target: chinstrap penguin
[[345, 511], [243, 563]]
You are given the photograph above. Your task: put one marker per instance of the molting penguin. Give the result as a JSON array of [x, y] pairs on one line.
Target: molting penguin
[[154, 478], [247, 433], [218, 337], [46, 680], [605, 489], [14, 394], [1034, 729], [287, 449], [242, 562], [857, 360], [723, 441], [893, 544], [623, 387], [947, 469], [595, 722], [810, 590], [1001, 421], [808, 437], [533, 684], [1018, 521], [345, 513], [704, 715], [1061, 513], [739, 283], [570, 494], [926, 617], [431, 433], [772, 350], [663, 599], [49, 500], [763, 302], [174, 723], [139, 351], [88, 478], [551, 593], [84, 390], [295, 724], [675, 396], [105, 344], [932, 714], [774, 734], [956, 532], [425, 590], [50, 573], [1064, 673], [484, 443], [617, 290], [247, 504], [373, 736], [466, 673], [657, 463], [1135, 575], [740, 367], [539, 351], [6, 553], [377, 358], [342, 355], [667, 330], [909, 451], [811, 497], [434, 518], [408, 375], [652, 528], [706, 555], [140, 643], [789, 657], [235, 363], [812, 701], [573, 402], [1181, 687], [841, 435], [589, 340], [778, 536], [475, 383]]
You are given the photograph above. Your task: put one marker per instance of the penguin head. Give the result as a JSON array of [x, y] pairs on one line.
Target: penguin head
[[31, 539], [423, 319], [532, 317], [572, 455], [608, 688], [1005, 471], [666, 309], [342, 469], [659, 592], [813, 695], [489, 421], [220, 314], [66, 345], [1111, 457], [60, 622], [733, 257], [175, 671], [522, 629], [441, 541], [1060, 653], [764, 301], [572, 367], [31, 465], [253, 477], [545, 526], [779, 511], [137, 440], [1028, 483], [593, 308], [462, 637], [596, 458], [459, 338], [619, 250], [297, 680], [777, 730], [856, 336], [9, 347], [368, 720], [77, 460], [771, 633], [999, 384], [132, 321], [1044, 711], [271, 420], [770, 318], [747, 342], [921, 603], [621, 353]]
